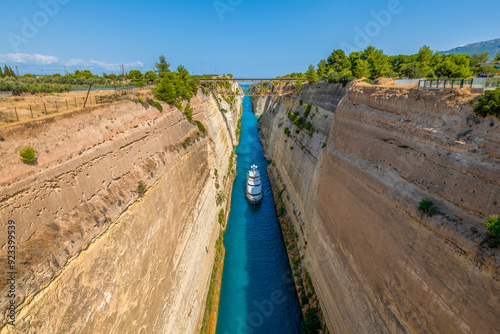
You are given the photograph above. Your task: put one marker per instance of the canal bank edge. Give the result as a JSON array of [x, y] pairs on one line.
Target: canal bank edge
[[312, 316]]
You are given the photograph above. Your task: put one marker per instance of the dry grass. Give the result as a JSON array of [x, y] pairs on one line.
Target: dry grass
[[32, 107]]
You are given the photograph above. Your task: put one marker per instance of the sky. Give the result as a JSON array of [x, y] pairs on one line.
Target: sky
[[247, 38]]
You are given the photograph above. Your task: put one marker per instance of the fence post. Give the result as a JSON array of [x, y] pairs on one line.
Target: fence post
[[17, 116], [67, 104], [45, 107], [75, 103], [88, 92], [31, 110], [57, 108]]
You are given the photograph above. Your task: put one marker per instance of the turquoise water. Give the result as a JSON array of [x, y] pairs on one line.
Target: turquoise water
[[257, 294]]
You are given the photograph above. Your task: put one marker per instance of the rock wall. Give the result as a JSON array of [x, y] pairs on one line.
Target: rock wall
[[352, 190], [93, 255]]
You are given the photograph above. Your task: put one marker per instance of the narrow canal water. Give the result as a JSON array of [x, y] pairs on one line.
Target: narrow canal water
[[257, 294]]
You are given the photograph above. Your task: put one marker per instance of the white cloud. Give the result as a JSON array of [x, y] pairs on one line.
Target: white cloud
[[23, 58], [41, 61]]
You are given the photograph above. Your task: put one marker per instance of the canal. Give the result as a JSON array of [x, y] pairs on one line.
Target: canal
[[257, 294]]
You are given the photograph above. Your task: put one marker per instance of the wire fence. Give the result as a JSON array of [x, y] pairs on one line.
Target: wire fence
[[30, 107], [79, 89]]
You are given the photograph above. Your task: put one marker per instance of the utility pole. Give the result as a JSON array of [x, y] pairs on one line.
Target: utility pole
[[123, 70], [17, 70]]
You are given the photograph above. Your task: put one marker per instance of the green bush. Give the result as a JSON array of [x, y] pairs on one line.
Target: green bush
[[27, 154], [287, 132], [311, 323], [308, 110], [488, 104], [201, 127], [427, 207], [221, 217], [155, 104], [188, 111], [186, 142], [493, 226], [141, 188], [370, 81], [324, 145], [301, 102], [220, 197]]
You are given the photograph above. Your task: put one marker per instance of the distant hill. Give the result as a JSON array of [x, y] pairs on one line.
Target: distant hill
[[492, 47]]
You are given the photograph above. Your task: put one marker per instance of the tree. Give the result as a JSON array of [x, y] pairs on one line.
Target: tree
[[410, 71], [454, 66], [150, 75], [338, 61], [135, 74], [378, 63], [1, 73], [476, 59], [322, 68], [162, 67], [311, 74], [497, 58], [361, 69]]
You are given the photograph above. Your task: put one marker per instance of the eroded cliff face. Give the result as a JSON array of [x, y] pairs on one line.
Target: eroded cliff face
[[93, 256], [352, 190]]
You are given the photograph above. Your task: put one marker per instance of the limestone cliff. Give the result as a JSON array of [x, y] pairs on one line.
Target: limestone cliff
[[93, 255], [352, 188]]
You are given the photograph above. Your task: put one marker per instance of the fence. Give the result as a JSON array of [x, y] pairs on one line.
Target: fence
[[407, 82], [78, 89], [5, 94], [475, 83]]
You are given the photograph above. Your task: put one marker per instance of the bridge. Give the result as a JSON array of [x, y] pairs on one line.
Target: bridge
[[253, 87]]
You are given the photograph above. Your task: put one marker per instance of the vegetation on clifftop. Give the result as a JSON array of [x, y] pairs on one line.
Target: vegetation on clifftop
[[488, 104]]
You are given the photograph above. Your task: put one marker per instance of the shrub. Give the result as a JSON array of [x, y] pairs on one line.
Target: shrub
[[370, 81], [488, 104], [155, 104], [311, 323], [291, 148], [186, 142], [493, 226], [308, 110], [141, 188], [287, 132], [301, 102], [220, 197], [27, 154], [201, 127], [221, 217], [188, 111], [296, 262], [427, 207], [324, 145]]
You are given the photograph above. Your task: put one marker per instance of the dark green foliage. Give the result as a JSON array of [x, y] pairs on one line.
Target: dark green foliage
[[291, 148], [492, 224], [426, 206], [324, 145], [173, 87], [488, 104], [27, 154], [311, 74], [141, 188], [201, 127], [311, 323], [370, 81], [150, 75], [300, 102], [303, 299], [155, 104], [497, 58], [287, 132], [308, 110], [188, 111], [296, 262], [281, 210], [238, 129]]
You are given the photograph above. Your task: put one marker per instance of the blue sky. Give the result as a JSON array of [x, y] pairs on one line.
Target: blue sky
[[242, 37]]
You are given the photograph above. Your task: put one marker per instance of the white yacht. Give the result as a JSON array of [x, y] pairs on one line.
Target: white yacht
[[254, 186]]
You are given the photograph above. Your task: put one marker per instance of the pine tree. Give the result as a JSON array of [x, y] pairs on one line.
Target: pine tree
[[1, 73]]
